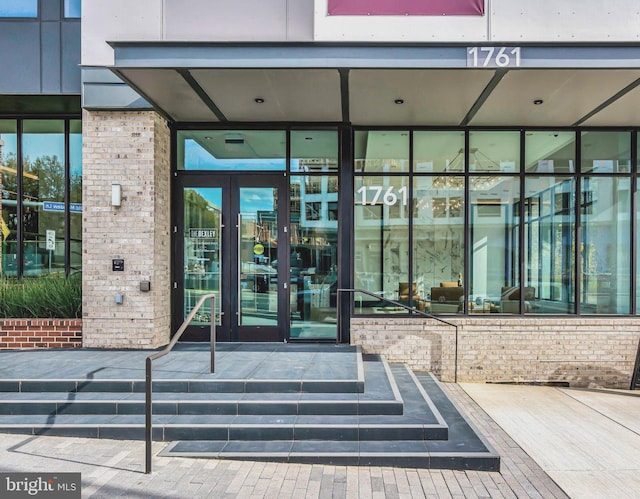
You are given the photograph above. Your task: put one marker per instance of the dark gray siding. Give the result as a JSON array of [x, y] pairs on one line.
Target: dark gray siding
[[40, 56]]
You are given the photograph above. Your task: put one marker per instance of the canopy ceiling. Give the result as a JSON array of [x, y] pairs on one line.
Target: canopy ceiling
[[384, 86]]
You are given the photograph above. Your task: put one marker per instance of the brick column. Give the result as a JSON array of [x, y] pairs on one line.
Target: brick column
[[131, 149]]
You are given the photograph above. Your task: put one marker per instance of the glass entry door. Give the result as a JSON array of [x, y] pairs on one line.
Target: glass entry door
[[230, 236]]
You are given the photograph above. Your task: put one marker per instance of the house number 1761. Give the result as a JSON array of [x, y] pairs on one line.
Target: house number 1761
[[376, 194], [493, 57]]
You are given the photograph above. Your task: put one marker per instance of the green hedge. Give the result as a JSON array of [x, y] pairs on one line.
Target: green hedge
[[41, 297]]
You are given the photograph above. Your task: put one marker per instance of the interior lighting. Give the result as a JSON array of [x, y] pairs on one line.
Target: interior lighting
[[537, 102], [259, 100], [399, 101]]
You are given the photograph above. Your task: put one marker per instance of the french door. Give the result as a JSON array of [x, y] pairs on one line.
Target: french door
[[231, 232]]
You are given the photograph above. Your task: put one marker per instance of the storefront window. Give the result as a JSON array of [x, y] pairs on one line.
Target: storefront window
[[313, 260], [232, 150], [24, 8], [605, 245], [75, 194], [539, 277], [438, 151], [41, 176], [438, 244], [72, 8], [8, 200], [381, 240], [549, 249], [381, 151], [550, 152], [314, 151], [637, 246], [494, 151], [43, 197], [606, 152], [494, 246]]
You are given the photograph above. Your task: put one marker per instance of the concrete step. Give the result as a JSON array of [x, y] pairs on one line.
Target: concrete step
[[182, 386], [381, 396], [412, 417], [406, 453], [169, 428], [276, 406]]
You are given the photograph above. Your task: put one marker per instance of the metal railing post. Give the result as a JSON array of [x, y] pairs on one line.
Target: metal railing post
[[339, 316], [148, 438], [148, 412], [212, 338]]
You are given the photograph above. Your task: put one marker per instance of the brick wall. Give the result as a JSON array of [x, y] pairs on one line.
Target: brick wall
[[578, 351], [40, 333], [132, 149]]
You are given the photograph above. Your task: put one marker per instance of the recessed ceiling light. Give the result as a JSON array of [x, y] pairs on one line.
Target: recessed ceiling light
[[258, 100], [308, 138], [537, 102], [208, 137], [399, 101]]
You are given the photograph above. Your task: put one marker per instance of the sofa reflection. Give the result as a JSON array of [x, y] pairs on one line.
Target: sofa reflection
[[510, 299], [447, 299], [404, 292]]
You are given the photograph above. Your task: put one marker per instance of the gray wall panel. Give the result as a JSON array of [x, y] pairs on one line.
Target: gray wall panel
[[71, 77], [101, 96], [50, 10], [50, 43], [20, 48]]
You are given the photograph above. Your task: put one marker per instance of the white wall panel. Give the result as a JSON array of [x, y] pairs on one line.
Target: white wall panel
[[504, 21], [565, 21], [117, 20]]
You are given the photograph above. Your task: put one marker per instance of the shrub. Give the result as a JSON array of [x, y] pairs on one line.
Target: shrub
[[44, 297]]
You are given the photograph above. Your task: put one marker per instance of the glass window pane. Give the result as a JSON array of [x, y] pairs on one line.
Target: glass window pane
[[314, 151], [438, 245], [75, 193], [381, 240], [43, 196], [606, 152], [232, 150], [72, 8], [313, 262], [8, 199], [381, 151], [605, 245], [23, 8], [494, 151], [438, 151], [549, 249], [494, 260], [550, 152], [202, 247]]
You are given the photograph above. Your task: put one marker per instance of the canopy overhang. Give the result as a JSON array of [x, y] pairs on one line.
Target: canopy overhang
[[382, 84]]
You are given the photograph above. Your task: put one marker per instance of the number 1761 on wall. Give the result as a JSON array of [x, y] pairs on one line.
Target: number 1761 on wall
[[376, 194]]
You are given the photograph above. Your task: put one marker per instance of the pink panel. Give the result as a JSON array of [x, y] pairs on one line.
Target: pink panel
[[406, 7]]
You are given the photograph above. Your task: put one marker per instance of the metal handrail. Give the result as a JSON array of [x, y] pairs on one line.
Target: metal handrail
[[401, 305], [162, 353]]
